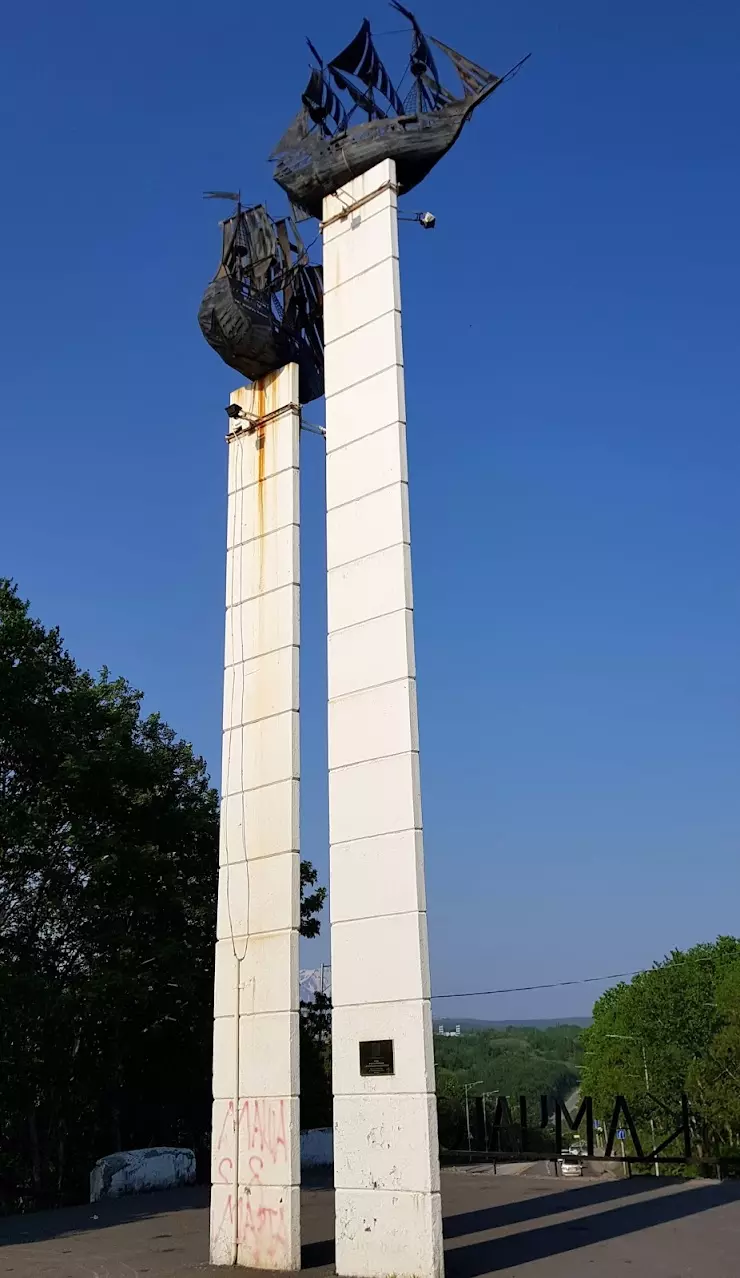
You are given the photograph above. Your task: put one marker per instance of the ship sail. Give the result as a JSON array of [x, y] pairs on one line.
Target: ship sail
[[474, 78], [295, 133], [228, 256], [360, 58], [257, 241], [360, 99], [441, 96], [321, 101]]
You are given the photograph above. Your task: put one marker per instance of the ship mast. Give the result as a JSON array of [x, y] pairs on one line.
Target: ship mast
[[430, 94]]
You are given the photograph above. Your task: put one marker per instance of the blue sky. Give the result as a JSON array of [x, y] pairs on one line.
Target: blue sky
[[573, 377]]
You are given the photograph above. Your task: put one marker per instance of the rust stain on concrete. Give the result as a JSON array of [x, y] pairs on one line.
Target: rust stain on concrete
[[261, 389]]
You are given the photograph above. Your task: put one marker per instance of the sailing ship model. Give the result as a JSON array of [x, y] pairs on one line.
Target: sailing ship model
[[322, 148], [264, 306]]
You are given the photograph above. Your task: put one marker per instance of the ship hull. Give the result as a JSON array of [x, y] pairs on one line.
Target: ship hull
[[249, 339], [415, 142]]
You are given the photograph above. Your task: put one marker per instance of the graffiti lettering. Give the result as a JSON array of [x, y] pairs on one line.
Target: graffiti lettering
[[263, 1125], [228, 1120], [261, 1228]]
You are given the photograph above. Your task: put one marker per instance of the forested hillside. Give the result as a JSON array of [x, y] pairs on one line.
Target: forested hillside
[[513, 1062]]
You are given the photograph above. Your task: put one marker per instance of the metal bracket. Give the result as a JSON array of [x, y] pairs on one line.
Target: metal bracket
[[313, 429], [254, 423], [364, 199]]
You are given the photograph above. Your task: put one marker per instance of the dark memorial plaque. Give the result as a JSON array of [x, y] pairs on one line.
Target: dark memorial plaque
[[376, 1057]]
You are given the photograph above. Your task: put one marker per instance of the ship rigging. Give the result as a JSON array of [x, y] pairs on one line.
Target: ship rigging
[[352, 116]]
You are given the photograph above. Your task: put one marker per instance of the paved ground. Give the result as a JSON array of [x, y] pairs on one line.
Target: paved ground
[[505, 1225]]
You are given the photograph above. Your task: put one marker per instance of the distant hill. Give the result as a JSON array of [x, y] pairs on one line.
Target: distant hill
[[319, 978], [469, 1024]]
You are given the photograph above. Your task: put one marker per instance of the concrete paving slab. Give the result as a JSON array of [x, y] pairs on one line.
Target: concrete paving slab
[[516, 1227]]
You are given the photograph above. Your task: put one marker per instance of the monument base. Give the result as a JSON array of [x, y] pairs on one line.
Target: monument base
[[401, 1231]]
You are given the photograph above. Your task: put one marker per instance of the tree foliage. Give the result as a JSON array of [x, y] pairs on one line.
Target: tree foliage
[[681, 1020], [312, 902], [714, 1077], [108, 881], [316, 1090], [514, 1062]]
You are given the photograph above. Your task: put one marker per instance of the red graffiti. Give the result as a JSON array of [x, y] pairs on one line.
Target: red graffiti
[[264, 1126], [263, 1123], [228, 1115], [225, 1171], [227, 1211], [260, 1229]]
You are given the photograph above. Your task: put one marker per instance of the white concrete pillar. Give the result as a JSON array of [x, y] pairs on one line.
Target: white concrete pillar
[[256, 1132], [386, 1160]]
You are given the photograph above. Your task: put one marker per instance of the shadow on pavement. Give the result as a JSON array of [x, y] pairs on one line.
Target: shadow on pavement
[[508, 1251], [531, 1208], [40, 1226], [316, 1255]]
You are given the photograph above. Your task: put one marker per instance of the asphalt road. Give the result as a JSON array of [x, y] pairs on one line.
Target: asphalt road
[[506, 1225]]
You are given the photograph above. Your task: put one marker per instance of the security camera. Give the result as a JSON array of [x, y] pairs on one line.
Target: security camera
[[235, 411], [428, 221]]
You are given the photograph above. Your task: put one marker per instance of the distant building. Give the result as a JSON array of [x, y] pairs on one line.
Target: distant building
[[449, 1033]]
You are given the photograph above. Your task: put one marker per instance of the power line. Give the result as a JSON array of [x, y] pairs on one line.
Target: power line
[[556, 985], [579, 980], [548, 985]]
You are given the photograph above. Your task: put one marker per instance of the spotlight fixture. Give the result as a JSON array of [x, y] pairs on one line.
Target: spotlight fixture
[[427, 220]]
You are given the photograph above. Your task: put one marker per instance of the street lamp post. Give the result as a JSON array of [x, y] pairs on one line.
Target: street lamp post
[[633, 1039], [467, 1086], [486, 1096], [647, 1089]]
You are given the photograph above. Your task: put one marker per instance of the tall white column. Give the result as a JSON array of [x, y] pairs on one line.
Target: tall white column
[[386, 1161], [256, 1133]]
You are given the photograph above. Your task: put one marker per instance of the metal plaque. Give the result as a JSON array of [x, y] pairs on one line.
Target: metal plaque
[[376, 1057]]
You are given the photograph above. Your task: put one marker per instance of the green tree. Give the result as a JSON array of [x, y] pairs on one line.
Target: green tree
[[108, 879], [316, 1089], [714, 1078], [312, 902], [674, 1019], [450, 1109]]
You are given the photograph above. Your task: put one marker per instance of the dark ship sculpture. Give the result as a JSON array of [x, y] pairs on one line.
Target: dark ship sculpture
[[264, 306], [322, 149]]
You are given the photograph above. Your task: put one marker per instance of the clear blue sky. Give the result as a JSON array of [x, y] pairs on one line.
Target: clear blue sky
[[573, 380]]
